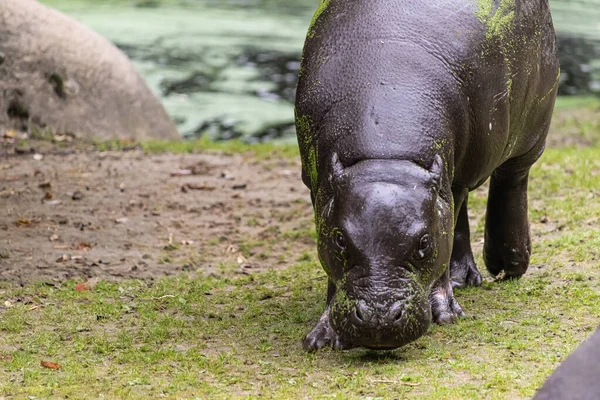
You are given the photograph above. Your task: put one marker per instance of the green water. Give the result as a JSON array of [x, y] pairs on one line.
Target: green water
[[227, 68]]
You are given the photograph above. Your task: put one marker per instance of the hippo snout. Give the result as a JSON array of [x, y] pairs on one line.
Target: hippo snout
[[379, 316], [380, 324]]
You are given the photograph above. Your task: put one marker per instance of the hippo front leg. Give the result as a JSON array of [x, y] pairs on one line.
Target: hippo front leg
[[323, 335], [507, 242], [463, 270], [444, 307]]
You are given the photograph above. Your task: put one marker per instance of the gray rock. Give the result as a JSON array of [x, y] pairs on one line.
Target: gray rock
[[56, 73]]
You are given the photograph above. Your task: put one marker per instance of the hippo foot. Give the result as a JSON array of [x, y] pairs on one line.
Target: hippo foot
[[464, 273], [513, 262], [444, 307], [323, 335]]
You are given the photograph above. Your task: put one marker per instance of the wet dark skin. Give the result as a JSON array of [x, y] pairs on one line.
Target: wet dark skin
[[403, 108]]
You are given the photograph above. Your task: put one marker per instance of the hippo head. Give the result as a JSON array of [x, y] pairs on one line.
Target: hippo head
[[385, 237]]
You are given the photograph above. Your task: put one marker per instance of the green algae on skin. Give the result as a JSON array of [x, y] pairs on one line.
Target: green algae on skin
[[342, 304], [552, 89], [304, 127], [484, 9], [498, 22], [502, 20], [322, 7]]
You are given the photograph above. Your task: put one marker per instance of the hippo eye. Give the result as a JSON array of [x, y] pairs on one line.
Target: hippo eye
[[424, 250], [340, 241]]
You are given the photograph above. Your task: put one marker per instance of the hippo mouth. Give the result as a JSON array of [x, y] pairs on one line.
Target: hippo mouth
[[381, 325]]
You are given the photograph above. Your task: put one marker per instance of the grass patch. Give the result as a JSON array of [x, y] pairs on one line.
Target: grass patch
[[222, 337], [262, 151]]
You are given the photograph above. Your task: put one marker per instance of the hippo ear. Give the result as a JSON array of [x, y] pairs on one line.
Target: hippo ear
[[436, 169]]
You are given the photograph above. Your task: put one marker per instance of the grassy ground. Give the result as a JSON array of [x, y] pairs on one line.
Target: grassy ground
[[240, 336]]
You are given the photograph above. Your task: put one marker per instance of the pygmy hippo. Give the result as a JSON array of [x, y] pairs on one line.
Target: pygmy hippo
[[402, 108], [577, 378]]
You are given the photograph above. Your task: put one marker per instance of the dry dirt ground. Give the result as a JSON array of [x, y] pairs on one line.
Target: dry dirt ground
[[109, 215]]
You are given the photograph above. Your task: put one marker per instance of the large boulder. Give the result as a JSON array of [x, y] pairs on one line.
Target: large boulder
[[55, 73]]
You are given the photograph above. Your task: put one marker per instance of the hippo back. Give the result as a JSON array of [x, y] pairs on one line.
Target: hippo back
[[409, 79]]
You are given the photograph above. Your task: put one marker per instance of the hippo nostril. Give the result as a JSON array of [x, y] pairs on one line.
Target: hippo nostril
[[396, 311], [361, 312], [359, 315]]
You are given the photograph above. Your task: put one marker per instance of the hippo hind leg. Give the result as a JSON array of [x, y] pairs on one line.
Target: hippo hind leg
[[463, 270], [322, 334], [507, 245]]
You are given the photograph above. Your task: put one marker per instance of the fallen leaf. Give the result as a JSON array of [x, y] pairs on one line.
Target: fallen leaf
[[6, 357], [92, 283], [83, 246], [81, 287], [53, 237], [49, 365], [10, 134], [24, 222]]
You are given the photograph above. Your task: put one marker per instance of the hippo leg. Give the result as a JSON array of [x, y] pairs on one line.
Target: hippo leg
[[507, 242], [444, 307], [463, 270], [323, 335]]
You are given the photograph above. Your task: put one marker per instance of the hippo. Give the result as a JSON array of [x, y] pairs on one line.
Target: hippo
[[402, 109], [577, 377]]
